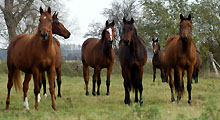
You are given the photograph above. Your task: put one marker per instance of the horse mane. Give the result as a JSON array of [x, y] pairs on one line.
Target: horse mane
[[103, 35]]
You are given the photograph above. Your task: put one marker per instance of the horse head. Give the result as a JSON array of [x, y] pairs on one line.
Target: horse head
[[58, 27], [156, 46], [128, 31], [185, 28], [108, 32], [45, 24]]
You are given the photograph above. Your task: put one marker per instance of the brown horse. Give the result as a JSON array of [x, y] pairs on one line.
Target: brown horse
[[32, 54], [157, 60], [180, 55], [59, 29], [197, 66], [132, 56], [98, 54]]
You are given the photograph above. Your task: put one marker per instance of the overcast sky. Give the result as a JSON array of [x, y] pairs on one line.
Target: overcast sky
[[85, 12]]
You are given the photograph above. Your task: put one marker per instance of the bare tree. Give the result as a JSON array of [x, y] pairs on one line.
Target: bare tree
[[21, 16]]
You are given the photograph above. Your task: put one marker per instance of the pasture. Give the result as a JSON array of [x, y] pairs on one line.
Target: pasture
[[75, 105]]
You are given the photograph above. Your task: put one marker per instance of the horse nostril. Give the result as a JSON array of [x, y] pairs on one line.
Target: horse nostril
[[44, 36]]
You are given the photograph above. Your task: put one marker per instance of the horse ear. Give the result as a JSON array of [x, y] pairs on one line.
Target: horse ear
[[156, 40], [49, 10], [54, 15], [106, 23], [57, 14], [124, 20], [181, 17], [189, 17], [132, 21], [41, 10], [113, 23], [153, 39]]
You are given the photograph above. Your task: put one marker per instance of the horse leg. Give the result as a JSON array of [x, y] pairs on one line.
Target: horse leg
[[9, 86], [136, 95], [126, 86], [171, 83], [109, 71], [189, 81], [36, 75], [98, 84], [40, 85], [51, 77], [196, 74], [179, 79], [27, 79], [95, 76], [154, 73], [140, 86], [58, 71], [44, 84], [86, 76]]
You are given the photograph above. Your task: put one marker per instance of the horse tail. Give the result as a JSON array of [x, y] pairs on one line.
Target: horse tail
[[135, 81], [17, 80]]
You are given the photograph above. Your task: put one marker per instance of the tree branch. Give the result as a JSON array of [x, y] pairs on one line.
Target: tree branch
[[19, 16]]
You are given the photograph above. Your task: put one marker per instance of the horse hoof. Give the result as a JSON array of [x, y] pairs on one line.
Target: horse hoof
[[178, 102], [87, 93], [172, 100], [141, 102], [98, 93], [54, 108], [189, 102], [93, 93], [36, 108], [127, 102], [59, 95], [45, 95], [136, 100], [107, 93]]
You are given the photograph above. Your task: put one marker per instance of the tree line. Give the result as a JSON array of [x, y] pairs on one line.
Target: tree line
[[160, 19]]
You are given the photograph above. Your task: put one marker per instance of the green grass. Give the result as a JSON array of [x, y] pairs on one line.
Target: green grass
[[74, 104]]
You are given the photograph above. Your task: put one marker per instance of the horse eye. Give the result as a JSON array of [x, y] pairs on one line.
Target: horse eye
[[39, 20], [49, 20]]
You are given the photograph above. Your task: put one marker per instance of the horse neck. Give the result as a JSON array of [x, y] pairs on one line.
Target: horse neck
[[134, 44], [186, 46], [106, 48]]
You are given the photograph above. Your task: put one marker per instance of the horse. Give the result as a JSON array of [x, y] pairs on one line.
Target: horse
[[59, 29], [180, 55], [32, 54], [132, 56], [197, 66], [157, 60], [98, 54]]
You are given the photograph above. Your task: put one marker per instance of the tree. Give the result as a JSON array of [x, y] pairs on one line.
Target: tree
[[22, 16], [118, 10]]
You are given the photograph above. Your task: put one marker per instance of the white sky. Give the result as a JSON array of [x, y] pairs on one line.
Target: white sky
[[85, 12]]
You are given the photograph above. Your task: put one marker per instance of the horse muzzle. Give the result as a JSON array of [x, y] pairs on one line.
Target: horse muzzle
[[184, 39], [110, 41], [44, 36], [126, 42]]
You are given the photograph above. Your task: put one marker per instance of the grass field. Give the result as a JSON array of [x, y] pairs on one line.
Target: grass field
[[74, 104]]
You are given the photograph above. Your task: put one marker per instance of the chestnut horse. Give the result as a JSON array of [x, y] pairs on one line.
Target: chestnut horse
[[157, 60], [32, 54], [180, 55], [98, 54], [132, 56], [59, 29], [197, 66]]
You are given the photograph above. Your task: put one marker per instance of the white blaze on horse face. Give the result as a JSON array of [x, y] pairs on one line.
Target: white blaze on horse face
[[26, 105], [45, 17], [110, 32]]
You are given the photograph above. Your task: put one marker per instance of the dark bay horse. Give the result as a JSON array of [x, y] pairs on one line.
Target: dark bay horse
[[180, 55], [98, 54], [59, 29], [157, 60], [32, 54], [132, 56], [197, 66]]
